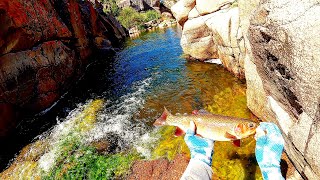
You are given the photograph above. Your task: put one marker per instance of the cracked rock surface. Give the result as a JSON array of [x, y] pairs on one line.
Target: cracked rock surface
[[285, 51], [275, 46]]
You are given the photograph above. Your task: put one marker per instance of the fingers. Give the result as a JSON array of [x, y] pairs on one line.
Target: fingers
[[259, 133], [192, 129], [270, 131]]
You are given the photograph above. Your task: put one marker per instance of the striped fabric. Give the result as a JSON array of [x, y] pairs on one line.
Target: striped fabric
[[269, 148], [200, 148]]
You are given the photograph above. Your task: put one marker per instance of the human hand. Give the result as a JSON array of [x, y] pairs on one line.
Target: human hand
[[200, 148], [269, 148]]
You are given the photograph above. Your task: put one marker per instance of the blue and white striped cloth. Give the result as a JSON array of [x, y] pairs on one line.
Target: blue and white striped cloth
[[269, 148], [200, 148]]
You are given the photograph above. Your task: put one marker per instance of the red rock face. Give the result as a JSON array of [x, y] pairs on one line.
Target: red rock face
[[25, 24], [30, 80], [44, 47]]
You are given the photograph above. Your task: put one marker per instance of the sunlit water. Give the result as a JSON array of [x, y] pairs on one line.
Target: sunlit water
[[148, 74]]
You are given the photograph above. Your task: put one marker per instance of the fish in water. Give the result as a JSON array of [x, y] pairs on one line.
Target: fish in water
[[211, 126]]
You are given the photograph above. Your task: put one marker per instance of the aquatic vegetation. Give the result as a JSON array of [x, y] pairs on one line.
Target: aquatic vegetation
[[230, 162], [168, 145], [54, 146], [237, 102], [86, 163]]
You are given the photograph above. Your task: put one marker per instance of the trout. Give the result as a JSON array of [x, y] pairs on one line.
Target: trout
[[211, 126]]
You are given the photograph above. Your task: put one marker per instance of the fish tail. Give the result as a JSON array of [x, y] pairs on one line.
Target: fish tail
[[162, 119]]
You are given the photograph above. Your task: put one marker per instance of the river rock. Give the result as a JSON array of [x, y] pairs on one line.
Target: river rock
[[140, 5], [197, 41], [26, 23], [159, 169], [44, 48], [285, 61], [181, 9], [34, 78], [211, 30], [204, 7], [169, 3], [224, 25]]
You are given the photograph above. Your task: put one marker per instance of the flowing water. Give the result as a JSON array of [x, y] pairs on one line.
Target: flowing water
[[107, 121]]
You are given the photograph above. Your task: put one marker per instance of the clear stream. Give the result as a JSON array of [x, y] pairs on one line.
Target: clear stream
[[126, 94]]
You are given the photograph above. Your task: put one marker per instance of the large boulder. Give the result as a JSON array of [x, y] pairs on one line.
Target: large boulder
[[35, 78], [211, 30], [44, 48], [204, 7], [140, 5], [181, 9], [197, 41], [26, 23], [275, 44], [283, 75], [227, 36]]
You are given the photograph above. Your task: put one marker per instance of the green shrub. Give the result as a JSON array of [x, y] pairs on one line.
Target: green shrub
[[129, 17], [111, 7], [151, 15]]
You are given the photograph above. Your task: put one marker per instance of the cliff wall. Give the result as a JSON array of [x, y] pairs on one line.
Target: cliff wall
[[273, 45]]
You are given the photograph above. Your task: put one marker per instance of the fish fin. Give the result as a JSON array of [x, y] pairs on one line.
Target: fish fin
[[200, 112], [236, 142], [179, 132], [162, 119], [230, 136], [166, 112], [203, 112], [195, 112]]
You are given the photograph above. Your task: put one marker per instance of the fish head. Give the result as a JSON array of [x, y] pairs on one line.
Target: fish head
[[245, 129]]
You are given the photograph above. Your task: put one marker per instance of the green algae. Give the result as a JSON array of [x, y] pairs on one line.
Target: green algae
[[229, 161], [86, 163], [168, 146], [74, 159], [62, 143], [236, 102]]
